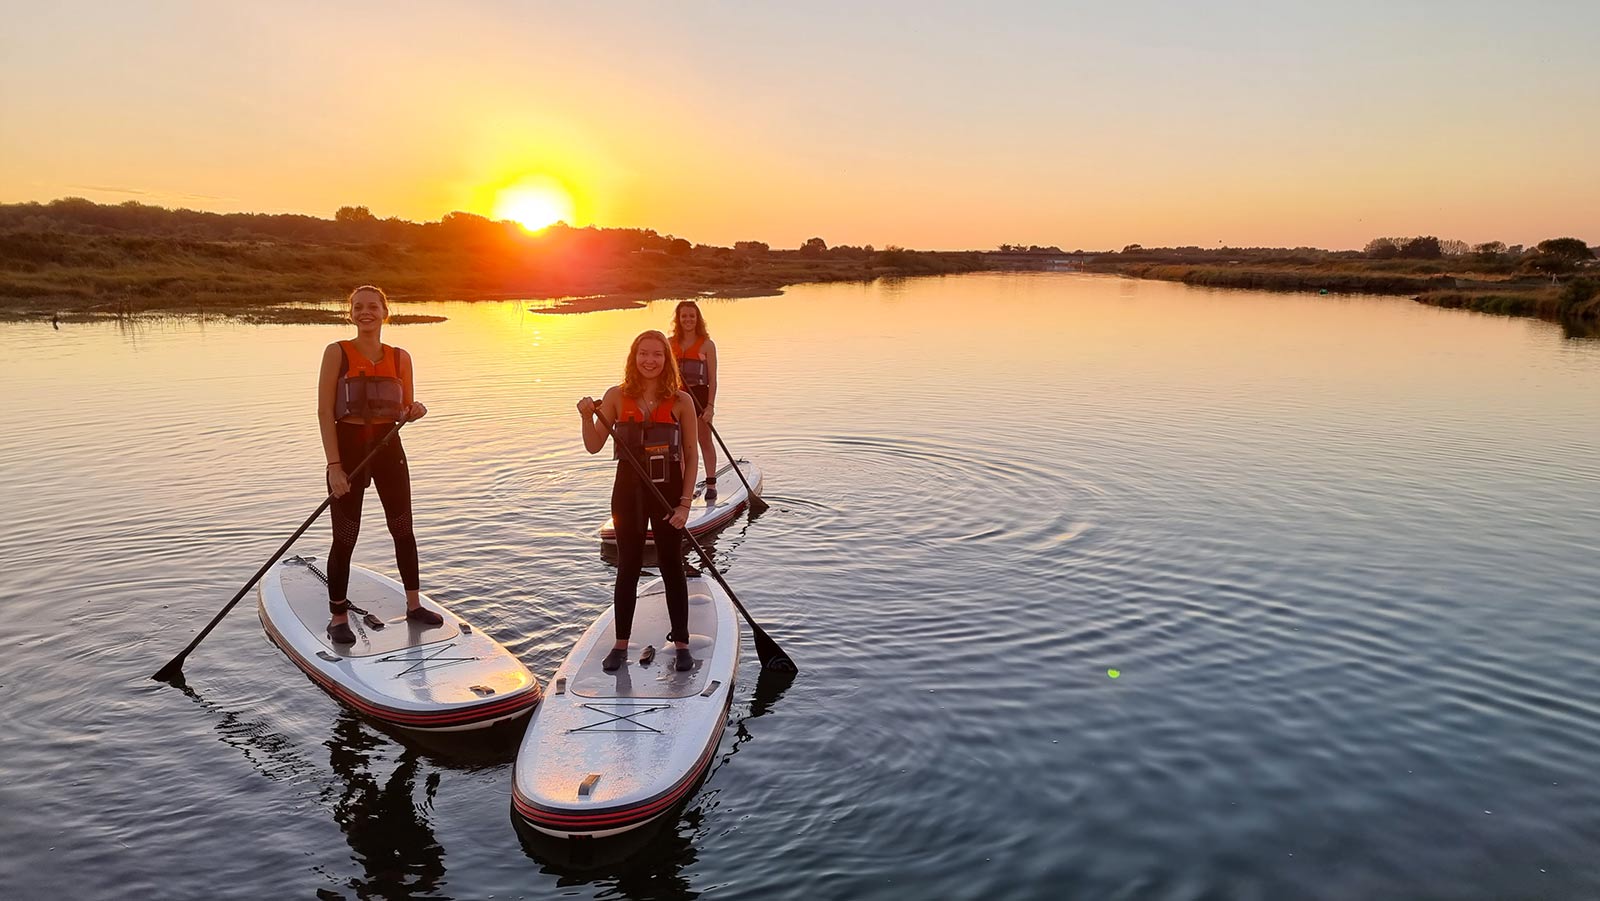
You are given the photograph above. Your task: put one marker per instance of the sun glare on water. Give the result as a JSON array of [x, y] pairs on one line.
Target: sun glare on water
[[535, 202]]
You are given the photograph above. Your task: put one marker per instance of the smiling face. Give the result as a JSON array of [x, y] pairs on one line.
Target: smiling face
[[368, 309], [650, 357], [688, 320], [649, 370], [687, 323]]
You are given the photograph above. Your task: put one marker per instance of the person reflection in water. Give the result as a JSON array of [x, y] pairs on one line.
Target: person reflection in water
[[388, 834]]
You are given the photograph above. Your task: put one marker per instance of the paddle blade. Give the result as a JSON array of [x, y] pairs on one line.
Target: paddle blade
[[172, 673], [757, 505], [772, 657]]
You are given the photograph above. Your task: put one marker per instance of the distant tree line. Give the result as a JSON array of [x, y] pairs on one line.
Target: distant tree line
[[1557, 255], [1550, 256], [48, 233], [356, 225], [1192, 253], [350, 225]]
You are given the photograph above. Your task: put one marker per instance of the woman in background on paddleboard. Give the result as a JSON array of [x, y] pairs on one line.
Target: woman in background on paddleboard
[[656, 425], [696, 355], [365, 388]]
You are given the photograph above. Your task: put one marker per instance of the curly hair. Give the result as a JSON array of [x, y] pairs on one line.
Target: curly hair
[[670, 382], [677, 329]]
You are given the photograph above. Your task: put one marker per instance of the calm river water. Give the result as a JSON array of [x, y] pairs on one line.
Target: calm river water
[[1342, 551]]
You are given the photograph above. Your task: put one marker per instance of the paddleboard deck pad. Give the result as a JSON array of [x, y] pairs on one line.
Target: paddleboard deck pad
[[449, 677], [705, 517], [610, 752]]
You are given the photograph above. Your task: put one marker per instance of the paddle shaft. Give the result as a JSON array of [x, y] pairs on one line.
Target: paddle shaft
[[772, 656], [174, 667], [756, 503]]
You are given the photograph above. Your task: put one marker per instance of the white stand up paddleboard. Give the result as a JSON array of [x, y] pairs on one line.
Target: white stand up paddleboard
[[448, 677], [610, 752], [704, 517]]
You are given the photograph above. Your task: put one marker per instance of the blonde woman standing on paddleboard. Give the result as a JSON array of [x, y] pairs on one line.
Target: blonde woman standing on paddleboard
[[365, 389], [655, 426], [696, 355]]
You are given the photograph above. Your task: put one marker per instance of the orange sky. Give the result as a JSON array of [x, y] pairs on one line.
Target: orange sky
[[905, 123]]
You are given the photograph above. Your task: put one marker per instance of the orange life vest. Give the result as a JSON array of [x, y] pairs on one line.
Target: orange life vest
[[692, 364], [370, 391], [656, 442]]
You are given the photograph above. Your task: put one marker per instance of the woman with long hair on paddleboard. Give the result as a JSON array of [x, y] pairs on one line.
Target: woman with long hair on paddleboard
[[364, 389], [696, 355], [656, 425]]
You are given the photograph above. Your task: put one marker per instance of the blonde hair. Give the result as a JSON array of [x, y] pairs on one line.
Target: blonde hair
[[669, 381], [382, 297], [700, 322]]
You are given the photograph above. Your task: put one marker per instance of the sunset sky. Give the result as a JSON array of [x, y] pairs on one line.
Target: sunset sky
[[921, 124]]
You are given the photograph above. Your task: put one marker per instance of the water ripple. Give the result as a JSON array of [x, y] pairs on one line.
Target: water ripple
[[1349, 607]]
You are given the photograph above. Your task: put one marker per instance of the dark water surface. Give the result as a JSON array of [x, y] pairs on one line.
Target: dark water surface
[[1342, 552]]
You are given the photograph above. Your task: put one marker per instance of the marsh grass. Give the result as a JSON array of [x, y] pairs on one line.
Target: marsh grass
[[1449, 284]]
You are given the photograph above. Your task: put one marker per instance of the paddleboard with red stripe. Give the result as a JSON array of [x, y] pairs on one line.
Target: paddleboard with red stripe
[[732, 499], [449, 678], [609, 752]]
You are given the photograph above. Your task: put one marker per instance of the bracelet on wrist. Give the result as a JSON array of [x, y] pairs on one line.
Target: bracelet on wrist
[[334, 463]]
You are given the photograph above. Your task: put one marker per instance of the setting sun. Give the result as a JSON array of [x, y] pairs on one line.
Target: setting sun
[[535, 202]]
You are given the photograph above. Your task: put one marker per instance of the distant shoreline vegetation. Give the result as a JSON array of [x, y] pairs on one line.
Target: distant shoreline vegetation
[[73, 259], [1556, 279]]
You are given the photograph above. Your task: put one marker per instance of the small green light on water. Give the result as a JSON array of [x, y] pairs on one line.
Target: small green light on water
[[1113, 673]]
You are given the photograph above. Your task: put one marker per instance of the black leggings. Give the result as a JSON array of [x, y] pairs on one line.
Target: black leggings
[[633, 507], [393, 477], [701, 394]]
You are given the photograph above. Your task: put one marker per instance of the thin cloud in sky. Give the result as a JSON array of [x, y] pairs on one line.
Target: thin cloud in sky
[[107, 189], [172, 195]]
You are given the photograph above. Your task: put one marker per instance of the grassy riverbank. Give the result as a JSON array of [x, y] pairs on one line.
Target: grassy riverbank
[[1347, 278], [1487, 286], [78, 260]]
